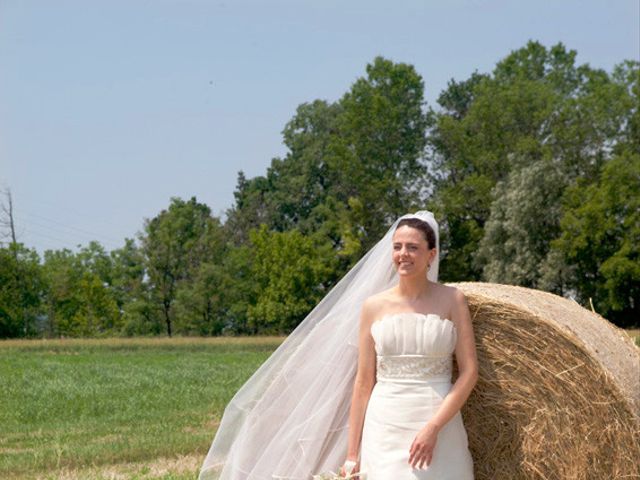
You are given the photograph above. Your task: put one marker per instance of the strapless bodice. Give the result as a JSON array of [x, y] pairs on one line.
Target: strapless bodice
[[414, 346]]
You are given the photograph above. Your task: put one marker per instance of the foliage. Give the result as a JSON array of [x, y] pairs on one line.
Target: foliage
[[79, 301], [21, 286], [176, 242], [363, 150], [536, 106], [287, 273], [601, 239], [522, 219]]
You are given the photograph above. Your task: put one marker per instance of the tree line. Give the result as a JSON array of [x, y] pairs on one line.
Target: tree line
[[532, 170]]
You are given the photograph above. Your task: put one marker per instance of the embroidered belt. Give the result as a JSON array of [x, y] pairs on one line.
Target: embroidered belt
[[413, 367]]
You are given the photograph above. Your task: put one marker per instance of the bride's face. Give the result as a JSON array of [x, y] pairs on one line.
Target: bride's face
[[411, 252]]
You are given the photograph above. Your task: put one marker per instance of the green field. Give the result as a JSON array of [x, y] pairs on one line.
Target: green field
[[118, 408], [107, 409]]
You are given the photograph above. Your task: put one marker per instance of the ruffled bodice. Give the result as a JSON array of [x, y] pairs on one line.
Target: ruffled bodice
[[414, 346]]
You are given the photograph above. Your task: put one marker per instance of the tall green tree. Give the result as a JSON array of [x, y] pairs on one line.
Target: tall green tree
[[201, 300], [78, 301], [601, 239], [286, 196], [376, 161], [21, 290], [127, 273], [62, 275], [352, 166], [626, 76], [175, 243], [287, 274], [524, 218], [536, 105]]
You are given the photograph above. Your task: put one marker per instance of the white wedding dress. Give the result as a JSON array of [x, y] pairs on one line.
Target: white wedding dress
[[414, 361]]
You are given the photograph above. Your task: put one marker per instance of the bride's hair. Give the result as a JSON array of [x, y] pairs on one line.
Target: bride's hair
[[424, 227]]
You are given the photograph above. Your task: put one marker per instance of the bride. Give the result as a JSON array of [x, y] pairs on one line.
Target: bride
[[366, 376], [404, 411]]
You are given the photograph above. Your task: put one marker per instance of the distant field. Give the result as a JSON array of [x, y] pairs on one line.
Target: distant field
[[117, 408], [635, 334]]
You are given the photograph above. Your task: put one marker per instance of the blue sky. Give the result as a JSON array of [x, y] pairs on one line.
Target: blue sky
[[108, 108]]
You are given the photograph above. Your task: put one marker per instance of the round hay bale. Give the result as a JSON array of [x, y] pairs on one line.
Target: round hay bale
[[559, 389]]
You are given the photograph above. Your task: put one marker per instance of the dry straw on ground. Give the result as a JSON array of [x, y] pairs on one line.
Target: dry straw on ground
[[559, 389]]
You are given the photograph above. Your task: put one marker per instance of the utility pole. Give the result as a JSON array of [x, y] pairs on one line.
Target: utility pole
[[8, 221]]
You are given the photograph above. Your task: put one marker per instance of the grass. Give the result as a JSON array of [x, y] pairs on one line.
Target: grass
[[117, 408], [137, 409]]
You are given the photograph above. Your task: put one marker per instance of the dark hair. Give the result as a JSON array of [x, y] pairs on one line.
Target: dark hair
[[424, 227]]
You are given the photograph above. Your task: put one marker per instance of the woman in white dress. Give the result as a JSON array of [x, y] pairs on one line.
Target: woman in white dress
[[390, 333], [405, 413]]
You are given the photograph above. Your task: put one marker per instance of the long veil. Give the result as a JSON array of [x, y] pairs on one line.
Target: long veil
[[290, 419]]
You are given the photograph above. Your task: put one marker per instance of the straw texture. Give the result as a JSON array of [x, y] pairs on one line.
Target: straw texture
[[559, 389]]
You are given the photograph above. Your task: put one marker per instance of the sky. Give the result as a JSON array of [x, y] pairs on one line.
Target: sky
[[108, 108]]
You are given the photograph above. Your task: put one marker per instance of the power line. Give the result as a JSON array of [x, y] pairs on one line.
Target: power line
[[55, 228], [63, 242], [77, 213], [46, 235], [87, 233]]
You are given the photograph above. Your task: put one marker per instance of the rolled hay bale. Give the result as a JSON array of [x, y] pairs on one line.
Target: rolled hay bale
[[558, 396]]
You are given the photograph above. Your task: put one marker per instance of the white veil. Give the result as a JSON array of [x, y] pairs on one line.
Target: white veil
[[290, 419]]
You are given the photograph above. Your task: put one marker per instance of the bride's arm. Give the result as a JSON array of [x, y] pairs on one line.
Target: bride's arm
[[364, 382], [421, 450], [467, 363]]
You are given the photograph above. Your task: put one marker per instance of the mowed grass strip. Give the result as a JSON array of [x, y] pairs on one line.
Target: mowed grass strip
[[72, 404]]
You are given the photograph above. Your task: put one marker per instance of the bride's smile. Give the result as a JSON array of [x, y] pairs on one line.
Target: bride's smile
[[411, 252]]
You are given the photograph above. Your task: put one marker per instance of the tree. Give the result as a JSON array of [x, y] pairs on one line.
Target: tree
[[601, 239], [524, 219], [79, 302], [22, 279], [175, 243], [100, 306], [626, 76], [375, 161], [20, 293], [288, 273], [201, 300], [127, 273], [294, 186], [352, 166], [537, 104]]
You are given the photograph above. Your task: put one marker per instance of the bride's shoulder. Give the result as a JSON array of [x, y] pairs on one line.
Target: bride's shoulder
[[375, 302], [379, 298], [453, 296], [448, 290]]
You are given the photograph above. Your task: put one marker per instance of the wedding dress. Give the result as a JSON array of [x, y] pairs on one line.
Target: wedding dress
[[414, 360]]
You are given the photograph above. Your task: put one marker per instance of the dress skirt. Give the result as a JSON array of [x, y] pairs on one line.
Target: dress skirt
[[396, 412]]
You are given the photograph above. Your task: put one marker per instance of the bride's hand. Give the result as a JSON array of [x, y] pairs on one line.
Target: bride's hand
[[421, 450], [356, 468]]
